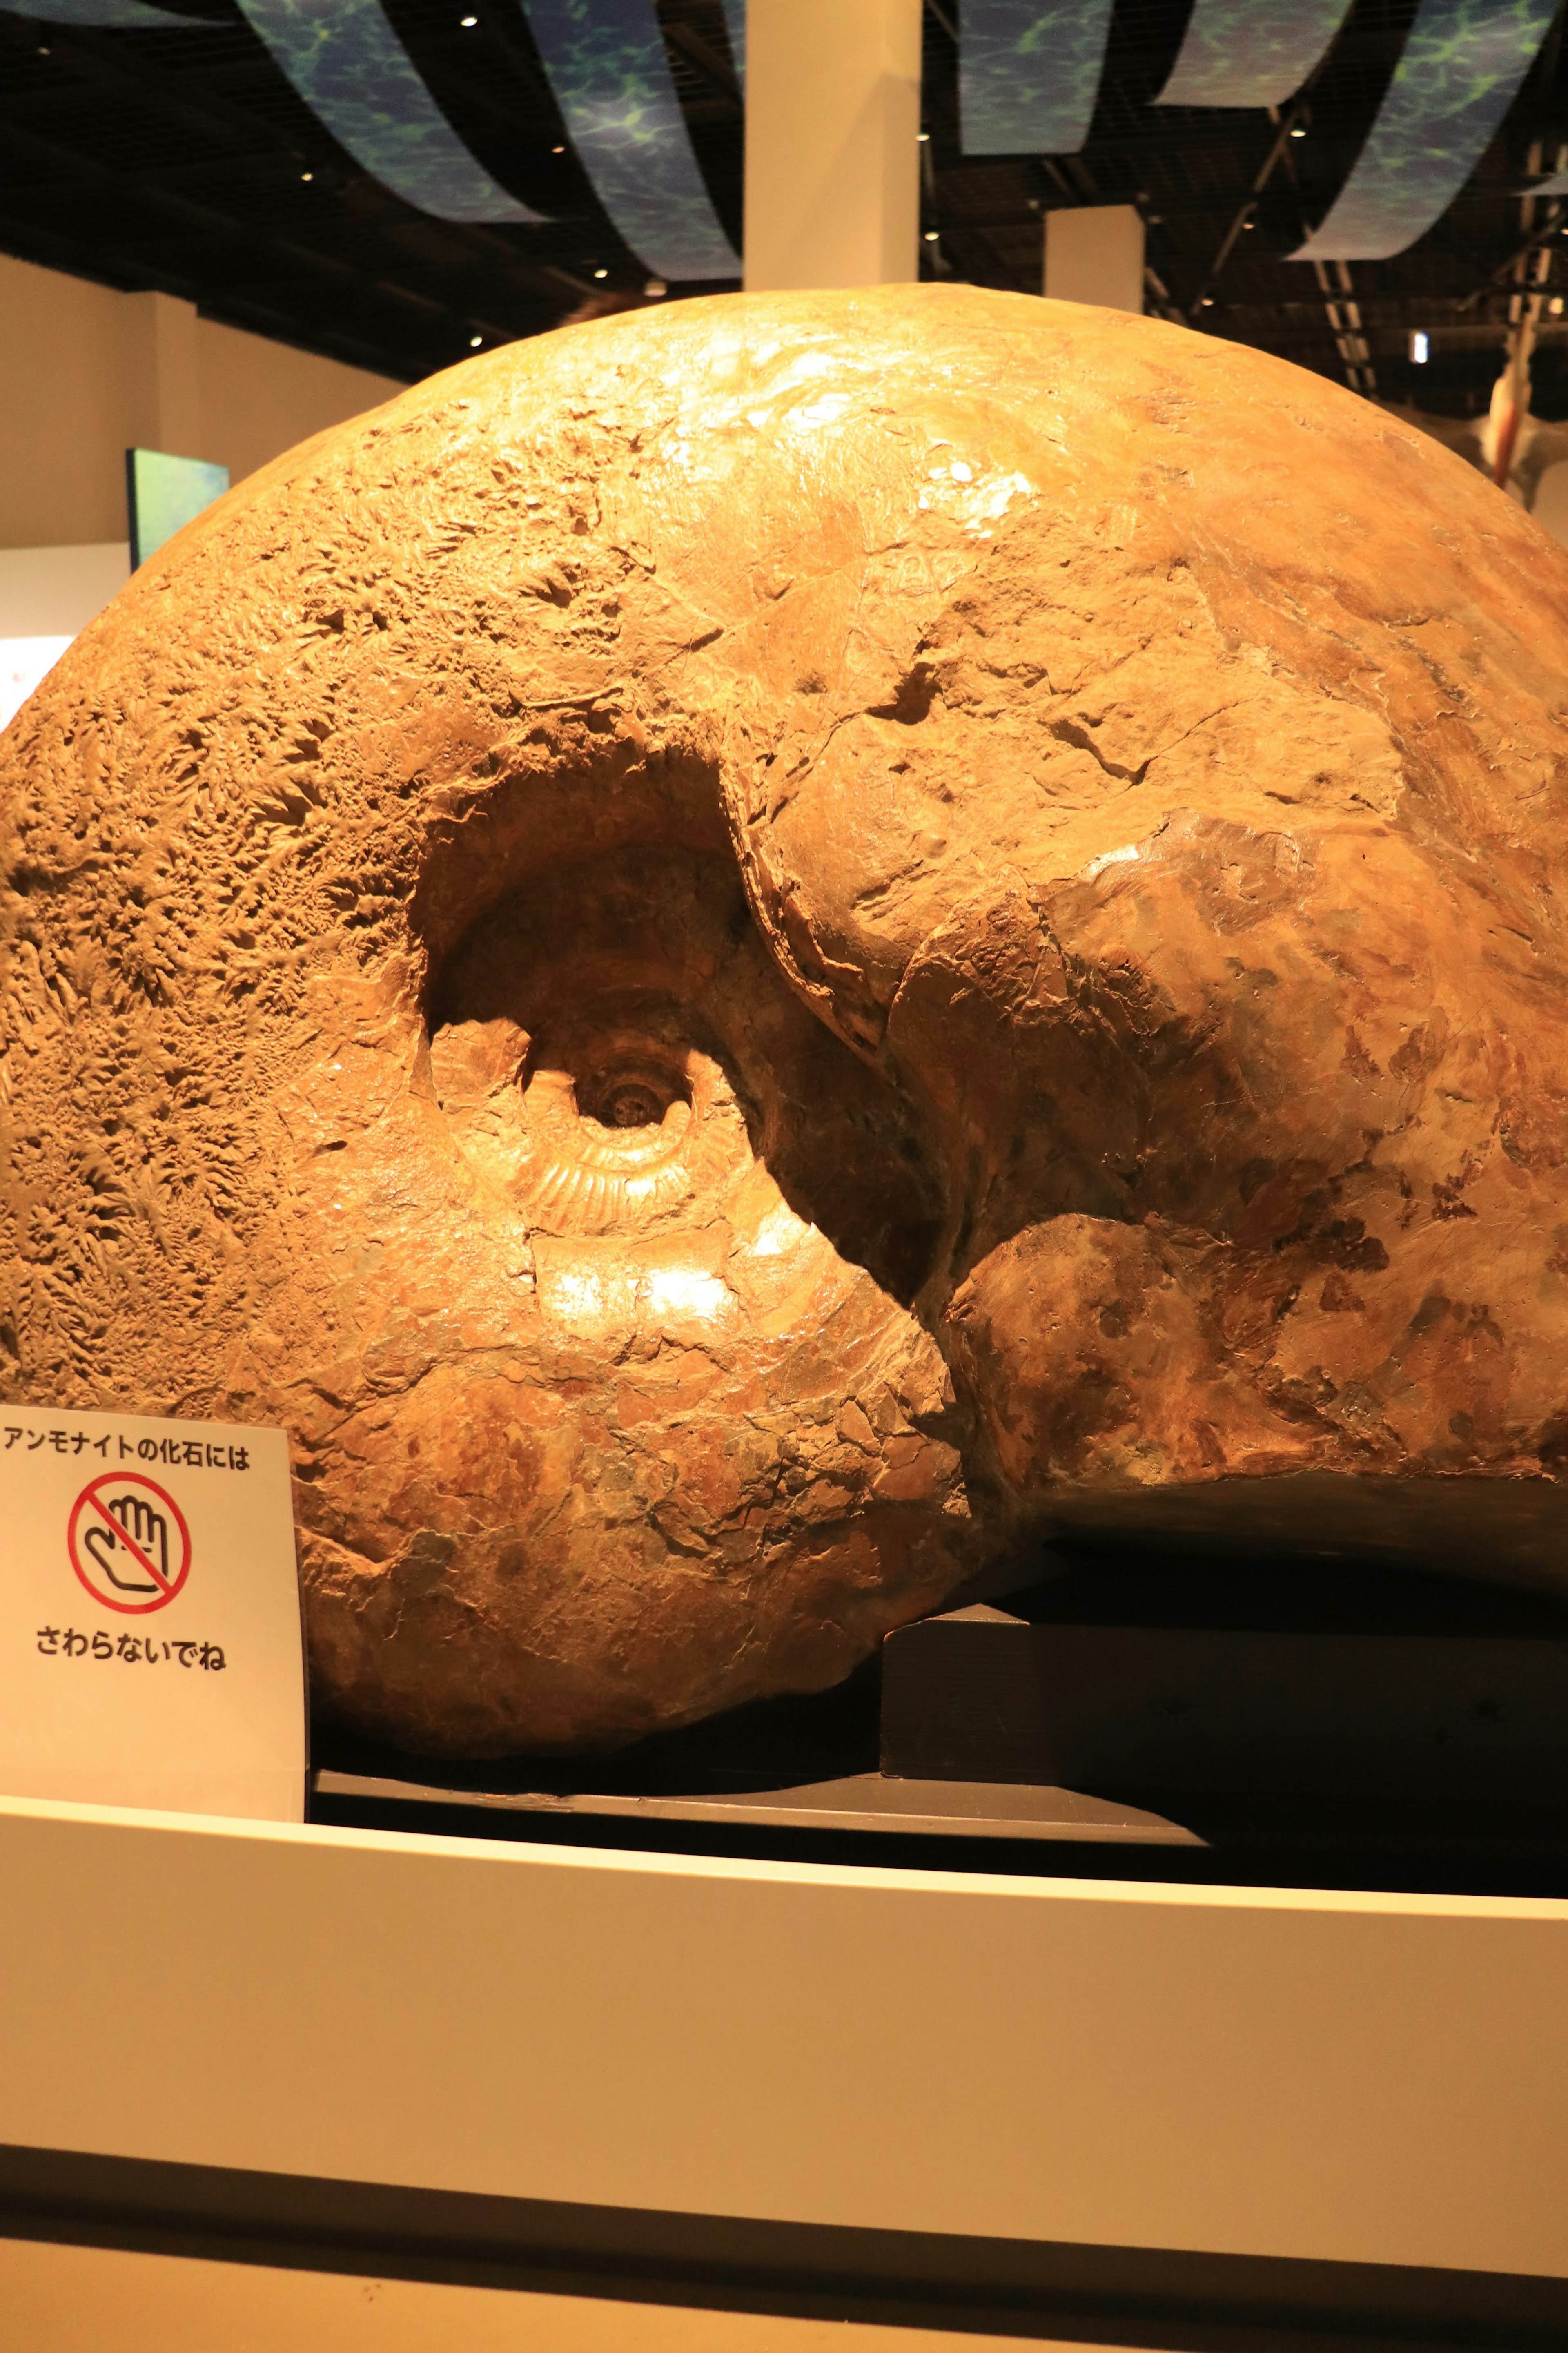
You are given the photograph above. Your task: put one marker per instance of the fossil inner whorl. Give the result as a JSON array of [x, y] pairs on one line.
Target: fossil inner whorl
[[616, 1052], [579, 1059], [623, 1119]]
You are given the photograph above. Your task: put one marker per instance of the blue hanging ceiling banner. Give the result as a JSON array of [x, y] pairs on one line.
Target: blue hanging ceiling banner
[[1463, 63], [115, 15], [607, 67], [358, 79], [735, 25], [1028, 76], [1250, 52]]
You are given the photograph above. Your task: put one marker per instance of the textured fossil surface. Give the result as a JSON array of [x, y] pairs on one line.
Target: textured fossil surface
[[737, 954]]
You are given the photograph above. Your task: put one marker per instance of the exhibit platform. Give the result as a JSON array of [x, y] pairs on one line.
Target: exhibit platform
[[1253, 2037], [1114, 2110], [1212, 1721]]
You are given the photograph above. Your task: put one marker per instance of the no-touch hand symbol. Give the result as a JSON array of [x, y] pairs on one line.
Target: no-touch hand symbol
[[129, 1543]]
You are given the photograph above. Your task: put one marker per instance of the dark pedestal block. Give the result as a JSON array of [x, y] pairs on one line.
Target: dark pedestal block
[[1292, 1722]]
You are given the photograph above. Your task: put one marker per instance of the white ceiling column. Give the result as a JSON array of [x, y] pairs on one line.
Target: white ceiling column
[[832, 105], [1095, 254]]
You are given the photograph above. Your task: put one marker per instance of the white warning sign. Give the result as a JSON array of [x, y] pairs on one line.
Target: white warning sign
[[150, 1638]]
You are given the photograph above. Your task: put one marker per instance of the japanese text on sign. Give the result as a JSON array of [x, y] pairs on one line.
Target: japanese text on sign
[[58, 1642], [196, 1454]]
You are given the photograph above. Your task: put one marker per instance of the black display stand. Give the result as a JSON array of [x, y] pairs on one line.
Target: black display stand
[[1321, 1723], [1454, 1710]]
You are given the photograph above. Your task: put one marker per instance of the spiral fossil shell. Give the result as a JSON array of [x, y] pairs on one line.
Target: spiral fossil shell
[[740, 958]]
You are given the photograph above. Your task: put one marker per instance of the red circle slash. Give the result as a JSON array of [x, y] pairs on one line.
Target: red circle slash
[[121, 1545]]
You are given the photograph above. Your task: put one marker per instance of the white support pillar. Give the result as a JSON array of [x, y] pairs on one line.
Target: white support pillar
[[177, 375], [1095, 254], [833, 108], [159, 374]]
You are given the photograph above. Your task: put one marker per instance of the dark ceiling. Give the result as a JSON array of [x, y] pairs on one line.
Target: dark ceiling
[[157, 158]]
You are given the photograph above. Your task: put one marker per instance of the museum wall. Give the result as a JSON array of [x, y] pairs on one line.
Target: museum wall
[[87, 372]]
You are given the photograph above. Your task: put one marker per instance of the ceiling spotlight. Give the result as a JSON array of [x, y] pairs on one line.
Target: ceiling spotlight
[[1420, 348], [474, 342], [43, 49], [558, 150], [925, 138], [1298, 131], [1207, 303], [601, 273], [931, 235], [307, 175]]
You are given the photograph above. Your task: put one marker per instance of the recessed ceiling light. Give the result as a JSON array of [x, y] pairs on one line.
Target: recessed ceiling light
[[930, 237], [925, 138], [1298, 131], [601, 273], [1207, 303], [558, 150], [307, 175], [474, 342]]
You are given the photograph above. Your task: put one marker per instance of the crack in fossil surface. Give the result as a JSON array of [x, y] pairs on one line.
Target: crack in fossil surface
[[731, 1019]]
